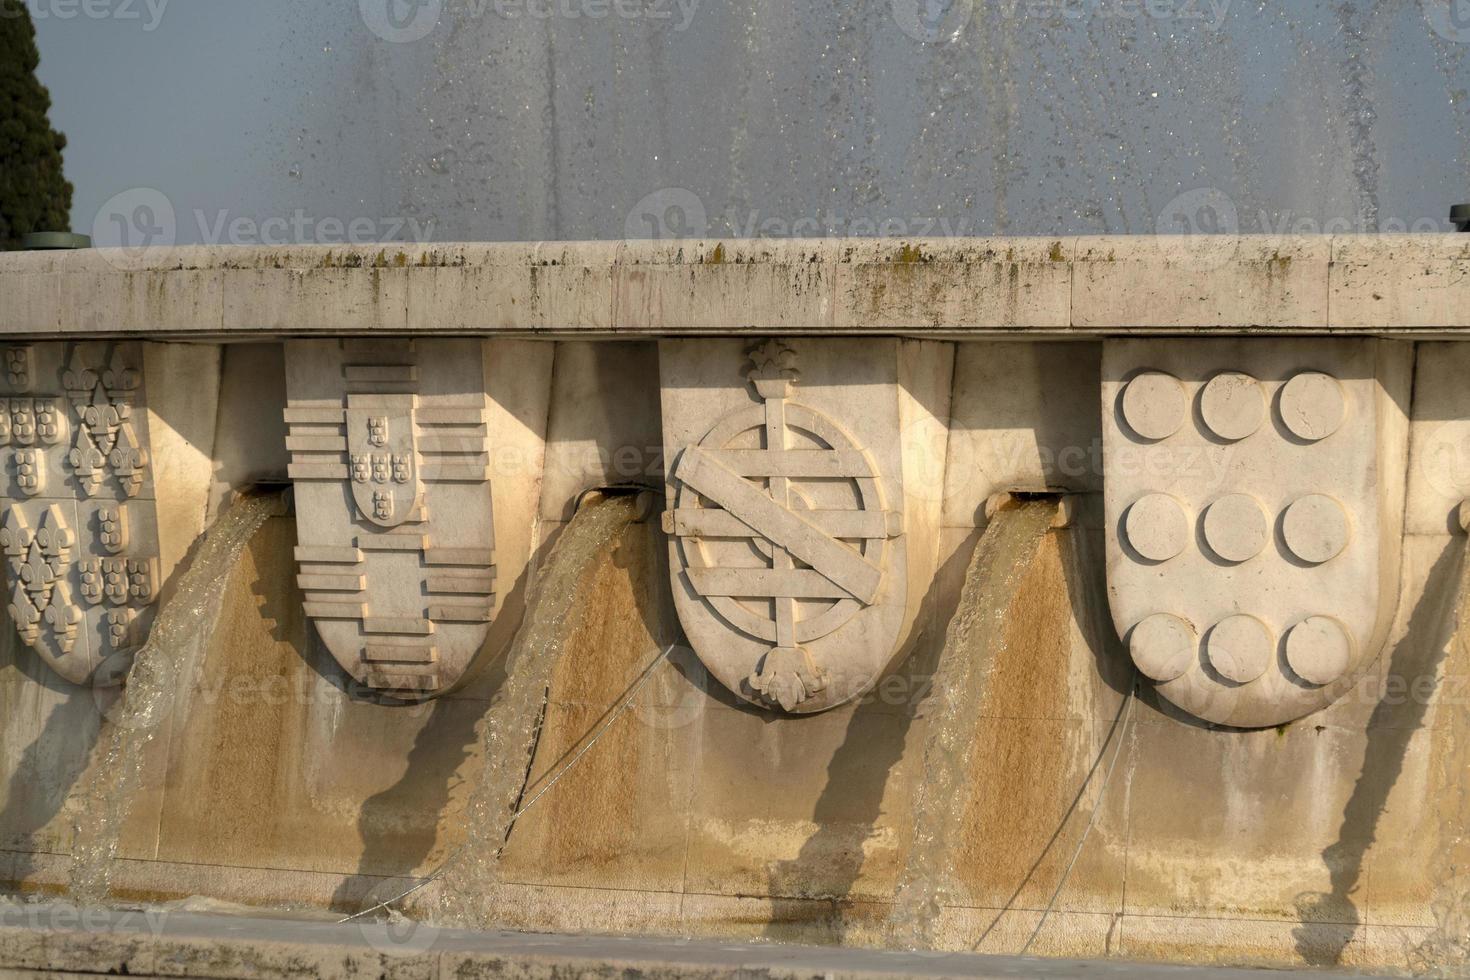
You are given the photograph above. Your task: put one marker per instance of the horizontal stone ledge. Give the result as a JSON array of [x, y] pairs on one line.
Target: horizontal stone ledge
[[1406, 285]]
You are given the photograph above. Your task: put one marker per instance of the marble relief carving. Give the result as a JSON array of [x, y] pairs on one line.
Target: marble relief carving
[[1255, 501], [79, 532], [390, 459], [786, 514]]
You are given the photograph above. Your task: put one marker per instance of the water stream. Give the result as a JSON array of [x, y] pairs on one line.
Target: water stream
[[469, 887], [159, 686], [972, 644]]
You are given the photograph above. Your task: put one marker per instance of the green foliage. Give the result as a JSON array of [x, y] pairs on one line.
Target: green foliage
[[34, 193]]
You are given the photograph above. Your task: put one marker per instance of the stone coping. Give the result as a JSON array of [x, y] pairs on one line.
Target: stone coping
[[1406, 285], [166, 943]]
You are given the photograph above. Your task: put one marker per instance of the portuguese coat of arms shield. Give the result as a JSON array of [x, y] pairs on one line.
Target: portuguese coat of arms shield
[[391, 445], [793, 543], [79, 529]]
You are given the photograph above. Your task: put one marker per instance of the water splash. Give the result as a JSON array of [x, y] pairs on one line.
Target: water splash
[[972, 644], [470, 888], [1362, 113], [1029, 118], [159, 685]]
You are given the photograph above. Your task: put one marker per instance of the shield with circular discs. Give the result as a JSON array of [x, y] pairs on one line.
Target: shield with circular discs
[[785, 531], [1255, 503]]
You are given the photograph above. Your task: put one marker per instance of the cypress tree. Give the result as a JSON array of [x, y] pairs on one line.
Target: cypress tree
[[34, 193]]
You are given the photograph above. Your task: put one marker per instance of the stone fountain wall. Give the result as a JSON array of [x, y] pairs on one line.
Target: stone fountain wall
[[708, 809]]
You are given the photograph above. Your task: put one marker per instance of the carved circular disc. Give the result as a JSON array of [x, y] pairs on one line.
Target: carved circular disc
[[1236, 527], [1155, 405], [1232, 405], [1157, 527], [1240, 648], [1316, 528], [1318, 650], [1313, 405], [1163, 647]]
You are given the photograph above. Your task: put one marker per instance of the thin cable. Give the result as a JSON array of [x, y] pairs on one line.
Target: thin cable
[[1077, 797], [643, 679], [1102, 795]]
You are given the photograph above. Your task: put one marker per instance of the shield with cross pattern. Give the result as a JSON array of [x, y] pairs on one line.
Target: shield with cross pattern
[[787, 518]]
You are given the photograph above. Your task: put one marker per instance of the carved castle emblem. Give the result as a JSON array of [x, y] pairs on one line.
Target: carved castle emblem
[[398, 572], [79, 535], [380, 439], [783, 541], [1255, 502]]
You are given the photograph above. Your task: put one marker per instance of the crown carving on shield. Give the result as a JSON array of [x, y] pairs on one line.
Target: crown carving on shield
[[772, 368]]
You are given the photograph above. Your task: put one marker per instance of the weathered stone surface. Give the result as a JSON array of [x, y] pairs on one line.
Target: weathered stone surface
[[793, 543], [1022, 417], [400, 571], [188, 944], [604, 430], [1404, 282], [1201, 283], [81, 532], [1332, 840], [1092, 286], [1281, 626]]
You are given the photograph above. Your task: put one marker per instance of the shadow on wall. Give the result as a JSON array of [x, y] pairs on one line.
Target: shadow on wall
[[1330, 920], [621, 601], [396, 839], [51, 765]]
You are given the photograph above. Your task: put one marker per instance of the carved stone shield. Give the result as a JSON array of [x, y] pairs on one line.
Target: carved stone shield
[[384, 461], [787, 514], [395, 524], [1254, 492], [79, 533]]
